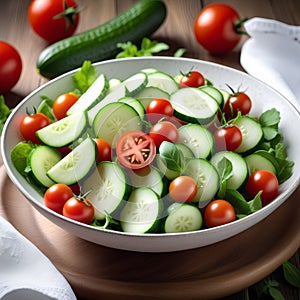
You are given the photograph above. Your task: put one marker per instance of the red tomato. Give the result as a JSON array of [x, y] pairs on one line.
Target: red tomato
[[158, 109], [104, 150], [216, 28], [264, 181], [228, 138], [183, 189], [56, 196], [135, 150], [164, 131], [31, 124], [53, 20], [192, 79], [219, 212], [62, 104], [10, 67], [237, 102], [79, 209]]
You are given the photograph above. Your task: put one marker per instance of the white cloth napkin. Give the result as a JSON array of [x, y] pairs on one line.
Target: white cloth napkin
[[25, 272], [272, 54]]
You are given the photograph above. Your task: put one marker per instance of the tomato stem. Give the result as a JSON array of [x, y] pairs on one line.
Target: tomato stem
[[238, 25]]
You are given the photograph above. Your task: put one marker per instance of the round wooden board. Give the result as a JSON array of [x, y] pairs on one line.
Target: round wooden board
[[219, 270]]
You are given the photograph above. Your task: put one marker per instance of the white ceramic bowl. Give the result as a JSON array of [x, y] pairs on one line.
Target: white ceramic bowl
[[263, 98]]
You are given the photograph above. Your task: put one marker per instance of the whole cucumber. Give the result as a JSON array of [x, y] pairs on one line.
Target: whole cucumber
[[100, 43]]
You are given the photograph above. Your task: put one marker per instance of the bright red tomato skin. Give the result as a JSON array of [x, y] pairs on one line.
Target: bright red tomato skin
[[228, 138], [164, 131], [10, 67], [104, 150], [79, 210], [192, 79], [219, 212], [62, 104], [214, 28], [183, 189], [135, 150], [264, 181], [42, 16], [31, 124], [56, 196], [158, 109], [237, 102]]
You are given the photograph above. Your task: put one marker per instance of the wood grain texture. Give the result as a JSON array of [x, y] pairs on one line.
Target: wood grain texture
[[177, 31]]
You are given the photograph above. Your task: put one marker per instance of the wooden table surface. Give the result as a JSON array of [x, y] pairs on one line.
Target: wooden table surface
[[177, 31]]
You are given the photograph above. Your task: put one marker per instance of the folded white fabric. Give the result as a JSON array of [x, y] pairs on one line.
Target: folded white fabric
[[272, 54], [25, 272]]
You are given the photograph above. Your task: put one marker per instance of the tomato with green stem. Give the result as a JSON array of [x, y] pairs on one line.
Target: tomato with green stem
[[10, 67], [56, 196], [183, 189], [80, 209], [228, 137], [219, 212], [53, 20], [30, 124], [62, 104], [217, 28], [192, 79], [135, 150], [265, 181], [157, 109]]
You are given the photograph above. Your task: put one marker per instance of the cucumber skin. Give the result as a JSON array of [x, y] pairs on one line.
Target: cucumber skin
[[100, 43]]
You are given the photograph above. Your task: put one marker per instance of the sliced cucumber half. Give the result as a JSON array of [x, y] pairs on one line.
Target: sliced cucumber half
[[76, 165]]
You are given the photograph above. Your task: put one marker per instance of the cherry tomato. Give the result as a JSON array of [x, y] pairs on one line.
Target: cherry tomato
[[135, 150], [164, 131], [228, 138], [264, 181], [62, 104], [53, 20], [10, 67], [56, 196], [159, 108], [80, 209], [104, 150], [183, 189], [216, 28], [239, 101], [219, 212], [192, 79], [31, 124]]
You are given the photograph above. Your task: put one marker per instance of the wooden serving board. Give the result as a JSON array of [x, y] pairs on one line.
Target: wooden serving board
[[219, 270]]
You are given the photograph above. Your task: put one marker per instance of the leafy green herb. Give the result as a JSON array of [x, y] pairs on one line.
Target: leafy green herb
[[4, 113], [85, 76], [224, 168], [171, 156], [271, 288], [179, 52], [291, 274], [239, 203], [148, 48]]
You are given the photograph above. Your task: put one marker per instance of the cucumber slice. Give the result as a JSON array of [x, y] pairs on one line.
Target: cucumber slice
[[115, 119], [186, 151], [141, 213], [162, 81], [197, 138], [252, 133], [113, 83], [194, 105], [135, 83], [64, 131], [149, 93], [206, 177], [183, 218], [262, 160], [150, 177], [76, 165], [40, 160], [45, 108], [240, 170], [91, 97], [107, 187], [135, 103], [214, 92]]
